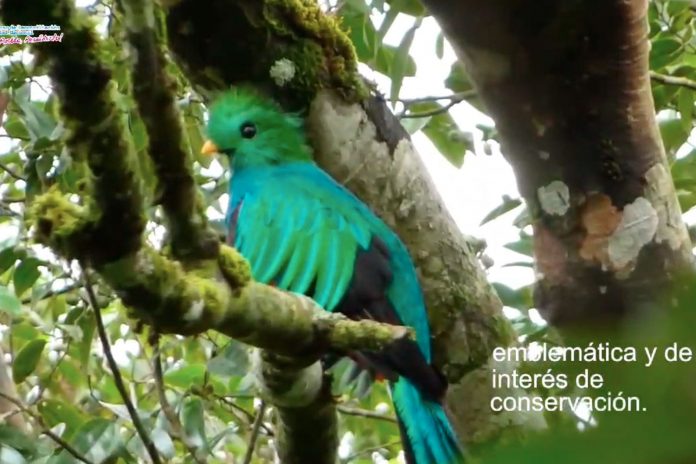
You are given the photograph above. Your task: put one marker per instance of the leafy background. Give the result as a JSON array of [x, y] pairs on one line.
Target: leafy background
[[48, 333]]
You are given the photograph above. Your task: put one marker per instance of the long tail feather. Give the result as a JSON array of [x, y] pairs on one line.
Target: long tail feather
[[429, 437]]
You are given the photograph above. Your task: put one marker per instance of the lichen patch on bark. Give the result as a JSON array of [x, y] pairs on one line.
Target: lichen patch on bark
[[660, 193], [554, 198], [636, 229]]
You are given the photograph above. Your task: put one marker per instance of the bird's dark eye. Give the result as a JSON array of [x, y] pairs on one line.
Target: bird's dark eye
[[248, 130]]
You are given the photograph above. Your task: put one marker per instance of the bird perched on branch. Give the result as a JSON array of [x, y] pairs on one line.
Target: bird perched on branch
[[303, 232]]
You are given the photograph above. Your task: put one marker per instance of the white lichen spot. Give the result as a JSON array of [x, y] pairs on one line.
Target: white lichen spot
[[636, 229], [194, 311], [554, 198], [670, 228], [544, 155], [283, 71], [602, 289]]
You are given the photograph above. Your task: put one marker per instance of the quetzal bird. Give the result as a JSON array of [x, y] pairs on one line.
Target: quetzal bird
[[303, 232]]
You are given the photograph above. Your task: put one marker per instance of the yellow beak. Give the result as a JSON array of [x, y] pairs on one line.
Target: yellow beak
[[209, 148]]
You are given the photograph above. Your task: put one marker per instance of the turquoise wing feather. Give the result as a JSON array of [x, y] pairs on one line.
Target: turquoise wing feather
[[296, 235]]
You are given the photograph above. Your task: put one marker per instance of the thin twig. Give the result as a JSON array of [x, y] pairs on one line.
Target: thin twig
[[39, 420], [11, 172], [454, 96], [673, 80], [10, 200], [118, 380], [362, 452], [453, 100], [177, 428], [52, 293], [365, 413], [255, 433], [249, 417]]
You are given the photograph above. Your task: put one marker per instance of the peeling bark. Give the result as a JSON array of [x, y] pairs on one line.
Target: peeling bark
[[568, 86]]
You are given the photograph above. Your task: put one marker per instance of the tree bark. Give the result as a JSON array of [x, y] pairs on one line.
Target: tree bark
[[361, 144], [568, 86]]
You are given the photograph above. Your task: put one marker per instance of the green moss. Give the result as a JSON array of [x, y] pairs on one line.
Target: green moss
[[60, 224], [164, 295], [322, 51], [235, 269]]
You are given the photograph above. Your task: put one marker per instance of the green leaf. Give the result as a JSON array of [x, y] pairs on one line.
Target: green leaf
[[87, 324], [193, 420], [163, 442], [523, 246], [685, 105], [444, 133], [186, 376], [38, 122], [440, 45], [16, 439], [25, 275], [360, 30], [384, 62], [515, 298], [56, 412], [4, 76], [97, 440], [673, 135], [409, 7], [15, 127], [24, 331], [684, 177], [233, 360], [413, 125], [528, 264], [458, 81], [27, 359], [9, 302], [508, 205], [663, 52], [400, 64]]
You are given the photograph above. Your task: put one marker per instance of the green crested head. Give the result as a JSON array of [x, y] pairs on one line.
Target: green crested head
[[254, 131]]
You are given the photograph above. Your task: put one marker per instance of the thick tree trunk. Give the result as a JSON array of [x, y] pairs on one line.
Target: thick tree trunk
[[360, 143], [567, 83]]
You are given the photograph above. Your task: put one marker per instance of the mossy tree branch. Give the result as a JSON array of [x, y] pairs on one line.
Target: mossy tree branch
[[153, 89], [83, 84], [106, 232]]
